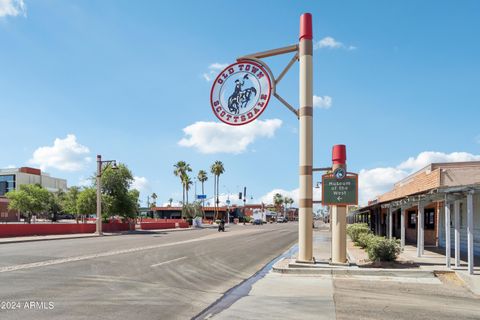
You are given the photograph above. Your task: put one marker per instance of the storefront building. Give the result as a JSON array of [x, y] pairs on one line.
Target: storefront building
[[436, 206]]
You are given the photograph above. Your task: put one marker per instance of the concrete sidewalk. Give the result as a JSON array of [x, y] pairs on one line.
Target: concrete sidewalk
[[279, 296], [409, 266]]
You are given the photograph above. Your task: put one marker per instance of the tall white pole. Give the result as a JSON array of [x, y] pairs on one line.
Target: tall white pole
[[470, 232], [305, 232], [456, 211], [447, 233], [99, 195]]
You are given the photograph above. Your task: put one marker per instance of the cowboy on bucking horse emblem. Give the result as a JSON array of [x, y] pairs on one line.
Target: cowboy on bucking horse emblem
[[240, 98]]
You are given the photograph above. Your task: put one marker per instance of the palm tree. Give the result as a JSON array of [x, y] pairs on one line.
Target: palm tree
[[187, 183], [181, 168], [217, 169], [170, 201], [154, 197], [278, 201], [202, 177]]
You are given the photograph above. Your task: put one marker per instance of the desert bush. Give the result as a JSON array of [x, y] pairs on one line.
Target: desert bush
[[364, 239], [356, 229], [382, 249]]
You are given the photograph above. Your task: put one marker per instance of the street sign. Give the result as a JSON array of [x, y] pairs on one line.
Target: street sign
[[241, 93], [201, 196], [339, 191]]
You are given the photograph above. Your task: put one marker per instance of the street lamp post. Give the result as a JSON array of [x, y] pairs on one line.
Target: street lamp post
[[99, 189]]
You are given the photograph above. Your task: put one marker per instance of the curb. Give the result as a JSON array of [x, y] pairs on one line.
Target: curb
[[51, 239], [351, 271]]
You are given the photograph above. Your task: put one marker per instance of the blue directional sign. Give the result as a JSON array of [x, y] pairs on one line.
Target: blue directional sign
[[201, 196]]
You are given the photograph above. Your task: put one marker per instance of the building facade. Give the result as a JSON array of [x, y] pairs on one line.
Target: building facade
[[436, 206], [12, 179]]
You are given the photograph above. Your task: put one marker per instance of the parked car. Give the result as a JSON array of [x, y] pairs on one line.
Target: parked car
[[257, 222], [281, 220]]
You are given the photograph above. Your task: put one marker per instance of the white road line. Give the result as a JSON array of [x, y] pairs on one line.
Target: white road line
[[165, 262], [114, 253]]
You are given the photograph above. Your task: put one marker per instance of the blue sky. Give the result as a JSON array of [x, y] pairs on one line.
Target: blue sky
[[396, 81]]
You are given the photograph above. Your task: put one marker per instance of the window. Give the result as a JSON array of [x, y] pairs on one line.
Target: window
[[7, 183], [412, 219], [429, 215]]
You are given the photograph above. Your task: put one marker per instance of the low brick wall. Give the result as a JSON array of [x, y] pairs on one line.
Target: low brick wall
[[25, 230], [183, 225], [157, 225]]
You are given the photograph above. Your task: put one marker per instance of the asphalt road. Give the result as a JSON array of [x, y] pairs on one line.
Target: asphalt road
[[140, 276]]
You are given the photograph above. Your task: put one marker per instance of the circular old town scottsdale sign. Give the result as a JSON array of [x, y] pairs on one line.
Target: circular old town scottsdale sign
[[241, 93]]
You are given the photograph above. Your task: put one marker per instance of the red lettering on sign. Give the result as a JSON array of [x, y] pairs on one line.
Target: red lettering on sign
[[216, 103], [228, 116], [222, 114], [247, 68], [260, 75], [241, 66], [225, 76], [256, 110], [220, 81], [219, 109], [254, 70], [260, 104], [230, 70], [235, 119], [243, 118], [250, 115], [264, 97]]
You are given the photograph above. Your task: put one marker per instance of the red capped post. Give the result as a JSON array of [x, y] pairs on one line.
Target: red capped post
[[306, 26], [305, 128]]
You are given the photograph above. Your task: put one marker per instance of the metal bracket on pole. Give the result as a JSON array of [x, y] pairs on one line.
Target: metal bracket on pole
[[270, 53], [322, 169]]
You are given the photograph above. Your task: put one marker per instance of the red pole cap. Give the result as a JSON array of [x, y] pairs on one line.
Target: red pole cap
[[306, 26], [339, 154]]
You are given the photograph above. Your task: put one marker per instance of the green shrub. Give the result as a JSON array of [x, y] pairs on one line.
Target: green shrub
[[364, 239], [383, 249], [355, 230]]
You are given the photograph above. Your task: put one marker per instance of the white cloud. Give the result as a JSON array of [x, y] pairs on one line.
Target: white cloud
[[374, 182], [65, 155], [427, 157], [12, 8], [331, 43], [140, 183], [214, 137], [324, 102], [213, 71]]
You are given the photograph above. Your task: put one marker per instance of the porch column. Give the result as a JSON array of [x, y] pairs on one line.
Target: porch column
[[447, 233], [402, 228], [420, 230], [390, 213], [456, 210], [470, 231]]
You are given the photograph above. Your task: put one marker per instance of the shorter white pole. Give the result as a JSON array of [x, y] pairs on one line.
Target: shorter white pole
[[456, 209], [447, 233], [402, 228], [470, 231]]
